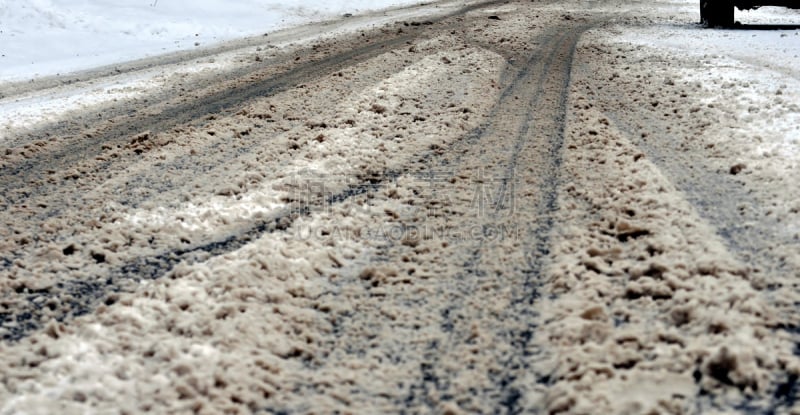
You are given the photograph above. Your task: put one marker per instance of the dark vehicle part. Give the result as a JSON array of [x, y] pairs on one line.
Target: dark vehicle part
[[716, 13]]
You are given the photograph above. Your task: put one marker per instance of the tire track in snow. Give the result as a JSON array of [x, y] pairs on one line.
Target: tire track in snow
[[251, 83], [87, 295], [661, 131], [543, 131], [718, 197], [525, 126], [712, 192], [747, 235], [190, 113], [536, 72], [26, 315]]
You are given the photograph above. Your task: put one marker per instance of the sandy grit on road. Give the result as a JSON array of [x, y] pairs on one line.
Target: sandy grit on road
[[479, 214]]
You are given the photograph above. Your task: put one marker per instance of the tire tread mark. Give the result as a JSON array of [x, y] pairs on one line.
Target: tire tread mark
[[87, 295], [19, 175], [510, 400]]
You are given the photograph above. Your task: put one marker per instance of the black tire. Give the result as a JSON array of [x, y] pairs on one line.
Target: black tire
[[715, 13]]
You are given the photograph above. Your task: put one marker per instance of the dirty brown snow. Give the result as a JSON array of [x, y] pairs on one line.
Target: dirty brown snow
[[513, 207]]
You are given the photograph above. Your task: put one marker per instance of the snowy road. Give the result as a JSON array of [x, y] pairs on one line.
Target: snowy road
[[502, 207]]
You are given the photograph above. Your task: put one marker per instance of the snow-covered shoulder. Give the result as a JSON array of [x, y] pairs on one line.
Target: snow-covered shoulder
[[49, 37]]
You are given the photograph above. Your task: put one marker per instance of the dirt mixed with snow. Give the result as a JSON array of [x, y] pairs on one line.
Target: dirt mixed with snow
[[522, 207]]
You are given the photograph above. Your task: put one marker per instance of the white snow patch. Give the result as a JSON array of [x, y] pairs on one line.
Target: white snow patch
[[210, 215], [48, 37], [756, 72]]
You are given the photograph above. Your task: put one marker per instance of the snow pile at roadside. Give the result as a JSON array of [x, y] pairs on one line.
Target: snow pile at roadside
[[47, 37]]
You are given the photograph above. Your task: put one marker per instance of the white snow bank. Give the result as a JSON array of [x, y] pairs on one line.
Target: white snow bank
[[47, 37]]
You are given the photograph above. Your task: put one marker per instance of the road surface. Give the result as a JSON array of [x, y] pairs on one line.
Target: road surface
[[500, 207]]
